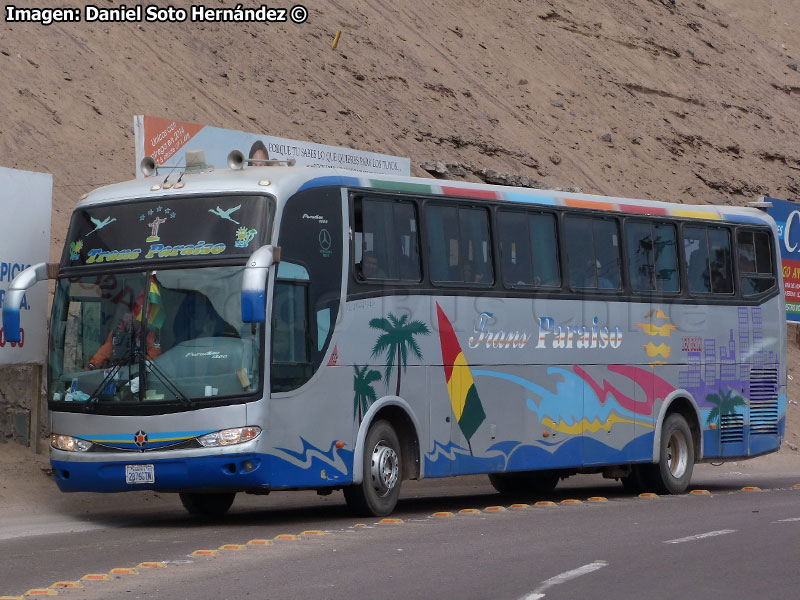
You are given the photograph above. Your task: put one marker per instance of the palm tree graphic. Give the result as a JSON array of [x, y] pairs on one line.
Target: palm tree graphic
[[364, 395], [725, 403], [397, 340]]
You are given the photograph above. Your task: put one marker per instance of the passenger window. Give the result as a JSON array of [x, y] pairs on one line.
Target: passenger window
[[529, 250], [695, 249], [652, 257], [592, 252], [754, 249], [515, 249], [545, 250], [708, 258], [719, 245], [459, 244], [385, 240]]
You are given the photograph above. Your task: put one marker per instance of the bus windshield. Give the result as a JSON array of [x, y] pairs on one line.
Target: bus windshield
[[153, 337]]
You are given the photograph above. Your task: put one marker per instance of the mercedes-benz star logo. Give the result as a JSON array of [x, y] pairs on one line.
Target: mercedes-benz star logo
[[325, 239]]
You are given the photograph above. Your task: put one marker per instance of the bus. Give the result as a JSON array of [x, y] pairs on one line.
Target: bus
[[270, 327]]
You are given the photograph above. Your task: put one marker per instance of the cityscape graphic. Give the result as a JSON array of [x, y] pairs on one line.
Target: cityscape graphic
[[721, 366]]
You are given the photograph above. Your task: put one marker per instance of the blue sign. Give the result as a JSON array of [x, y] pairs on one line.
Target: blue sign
[[787, 217]]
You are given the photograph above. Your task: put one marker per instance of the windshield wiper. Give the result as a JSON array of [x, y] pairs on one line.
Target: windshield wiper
[[116, 365], [168, 383]]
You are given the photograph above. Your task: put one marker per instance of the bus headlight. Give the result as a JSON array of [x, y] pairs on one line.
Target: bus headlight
[[69, 443], [229, 437]]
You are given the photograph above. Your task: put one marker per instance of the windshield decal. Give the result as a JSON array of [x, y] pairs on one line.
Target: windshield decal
[[189, 228], [225, 214], [98, 224], [75, 250], [244, 236]]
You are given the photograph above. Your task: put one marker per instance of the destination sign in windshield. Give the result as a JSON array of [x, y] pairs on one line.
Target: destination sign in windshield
[[168, 229]]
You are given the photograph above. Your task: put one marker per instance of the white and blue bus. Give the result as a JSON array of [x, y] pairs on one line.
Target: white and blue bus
[[274, 328]]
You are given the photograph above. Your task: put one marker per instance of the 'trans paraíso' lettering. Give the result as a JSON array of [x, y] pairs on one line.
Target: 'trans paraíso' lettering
[[589, 336]]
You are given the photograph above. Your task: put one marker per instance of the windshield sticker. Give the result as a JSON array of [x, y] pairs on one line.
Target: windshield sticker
[[157, 222], [225, 214], [244, 236], [75, 250], [98, 224]]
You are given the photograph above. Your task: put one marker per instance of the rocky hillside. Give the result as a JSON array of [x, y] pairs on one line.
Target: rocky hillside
[[687, 101], [679, 100]]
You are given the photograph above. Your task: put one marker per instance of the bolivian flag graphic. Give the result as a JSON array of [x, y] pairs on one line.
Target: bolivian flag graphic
[[464, 398]]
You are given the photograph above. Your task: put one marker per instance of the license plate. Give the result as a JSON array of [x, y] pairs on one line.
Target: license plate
[[140, 474]]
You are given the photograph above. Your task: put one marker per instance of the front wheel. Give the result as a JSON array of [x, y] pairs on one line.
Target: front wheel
[[673, 471], [207, 505], [377, 494]]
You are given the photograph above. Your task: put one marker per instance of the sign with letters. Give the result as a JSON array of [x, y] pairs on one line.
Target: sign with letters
[[787, 217], [26, 199], [167, 141]]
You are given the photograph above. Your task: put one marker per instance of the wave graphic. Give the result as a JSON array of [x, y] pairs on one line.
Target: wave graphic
[[447, 451], [585, 425], [574, 398], [304, 458]]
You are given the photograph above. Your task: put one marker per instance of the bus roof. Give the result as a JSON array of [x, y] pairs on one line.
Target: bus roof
[[285, 181]]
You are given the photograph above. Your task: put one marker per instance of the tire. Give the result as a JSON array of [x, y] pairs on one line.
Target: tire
[[207, 505], [525, 482], [377, 494], [673, 471]]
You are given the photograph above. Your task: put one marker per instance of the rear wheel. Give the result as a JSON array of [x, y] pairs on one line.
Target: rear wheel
[[673, 471], [379, 489], [207, 505], [525, 482]]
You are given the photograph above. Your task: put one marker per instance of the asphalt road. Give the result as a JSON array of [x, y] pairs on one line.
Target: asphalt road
[[727, 544]]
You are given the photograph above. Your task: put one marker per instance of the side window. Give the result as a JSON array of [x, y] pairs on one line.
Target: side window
[[707, 251], [529, 250], [307, 285], [545, 250], [652, 257], [592, 252], [460, 249], [515, 249], [719, 247], [755, 256], [385, 240]]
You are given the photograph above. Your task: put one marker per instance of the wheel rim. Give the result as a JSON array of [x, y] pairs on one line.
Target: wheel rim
[[384, 468], [677, 454]]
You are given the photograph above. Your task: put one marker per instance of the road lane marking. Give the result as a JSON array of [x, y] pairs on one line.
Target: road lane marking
[[563, 578], [700, 536], [788, 520]]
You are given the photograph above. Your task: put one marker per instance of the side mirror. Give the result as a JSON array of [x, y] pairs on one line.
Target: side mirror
[[16, 291], [254, 283]]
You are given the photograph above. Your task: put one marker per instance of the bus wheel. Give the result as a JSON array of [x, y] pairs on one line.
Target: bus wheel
[[379, 489], [673, 472], [524, 482], [207, 505]]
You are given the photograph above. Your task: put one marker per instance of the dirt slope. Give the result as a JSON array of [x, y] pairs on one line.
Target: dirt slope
[[687, 101], [675, 100]]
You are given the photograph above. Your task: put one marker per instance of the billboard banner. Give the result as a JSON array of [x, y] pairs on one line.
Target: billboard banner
[[26, 199], [167, 141], [787, 217]]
